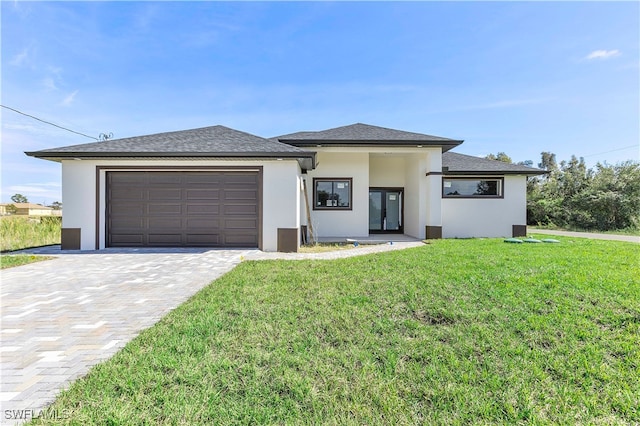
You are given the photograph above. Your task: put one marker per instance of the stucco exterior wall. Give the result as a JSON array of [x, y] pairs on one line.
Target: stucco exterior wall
[[347, 223], [280, 200], [79, 200], [421, 206], [280, 195], [415, 196], [387, 171], [378, 167], [464, 217]]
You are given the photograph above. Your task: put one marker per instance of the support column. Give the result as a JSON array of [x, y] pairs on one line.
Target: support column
[[433, 224]]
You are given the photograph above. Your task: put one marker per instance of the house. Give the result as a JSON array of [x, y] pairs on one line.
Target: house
[[28, 209], [219, 187]]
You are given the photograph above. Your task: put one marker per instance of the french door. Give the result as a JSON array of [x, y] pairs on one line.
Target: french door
[[385, 210]]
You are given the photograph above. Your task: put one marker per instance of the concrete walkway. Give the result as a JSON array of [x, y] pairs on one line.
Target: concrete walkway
[[594, 236], [60, 317], [352, 251]]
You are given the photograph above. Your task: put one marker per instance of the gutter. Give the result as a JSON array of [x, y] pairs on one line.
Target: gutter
[[307, 159]]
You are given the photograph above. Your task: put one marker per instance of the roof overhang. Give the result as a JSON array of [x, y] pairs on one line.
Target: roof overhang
[[304, 143], [307, 160], [491, 173]]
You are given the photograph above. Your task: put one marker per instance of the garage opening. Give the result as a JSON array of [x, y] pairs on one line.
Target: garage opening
[[183, 208]]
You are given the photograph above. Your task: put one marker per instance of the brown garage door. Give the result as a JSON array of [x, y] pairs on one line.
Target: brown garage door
[[174, 209]]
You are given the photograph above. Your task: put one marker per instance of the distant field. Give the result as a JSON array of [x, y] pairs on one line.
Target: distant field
[[19, 232]]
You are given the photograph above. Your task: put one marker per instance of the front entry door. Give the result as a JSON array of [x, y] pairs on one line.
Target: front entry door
[[385, 210]]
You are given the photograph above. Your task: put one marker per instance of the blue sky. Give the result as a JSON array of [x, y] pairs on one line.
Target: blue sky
[[504, 76]]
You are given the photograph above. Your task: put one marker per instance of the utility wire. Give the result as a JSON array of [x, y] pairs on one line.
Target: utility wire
[[613, 150], [48, 122]]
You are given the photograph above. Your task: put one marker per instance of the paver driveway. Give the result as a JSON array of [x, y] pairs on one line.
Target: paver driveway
[[60, 317]]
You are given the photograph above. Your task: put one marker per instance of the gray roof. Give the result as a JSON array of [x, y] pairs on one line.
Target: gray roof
[[461, 164], [365, 134], [214, 141]]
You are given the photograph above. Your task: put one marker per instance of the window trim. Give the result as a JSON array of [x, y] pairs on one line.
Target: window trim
[[500, 195], [332, 179]]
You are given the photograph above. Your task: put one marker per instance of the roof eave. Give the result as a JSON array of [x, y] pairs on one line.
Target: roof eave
[[446, 144], [491, 173], [307, 159]]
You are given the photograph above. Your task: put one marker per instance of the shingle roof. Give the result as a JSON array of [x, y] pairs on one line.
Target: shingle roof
[[461, 164], [364, 134], [214, 141]]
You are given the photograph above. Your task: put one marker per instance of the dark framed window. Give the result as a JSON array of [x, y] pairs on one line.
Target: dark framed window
[[332, 193], [472, 187]]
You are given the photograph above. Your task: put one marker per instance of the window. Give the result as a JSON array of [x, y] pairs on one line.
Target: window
[[332, 193], [472, 188]]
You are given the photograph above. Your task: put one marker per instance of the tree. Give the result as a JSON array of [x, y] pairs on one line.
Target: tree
[[574, 196], [11, 209], [19, 198], [56, 205], [548, 162], [501, 156]]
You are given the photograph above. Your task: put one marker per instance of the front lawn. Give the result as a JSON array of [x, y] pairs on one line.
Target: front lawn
[[9, 261], [454, 332]]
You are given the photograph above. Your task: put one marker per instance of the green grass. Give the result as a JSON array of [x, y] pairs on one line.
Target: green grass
[[19, 232], [627, 231], [9, 261], [454, 332]]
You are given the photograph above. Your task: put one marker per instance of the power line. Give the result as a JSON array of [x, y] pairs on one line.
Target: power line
[[613, 150], [50, 123]]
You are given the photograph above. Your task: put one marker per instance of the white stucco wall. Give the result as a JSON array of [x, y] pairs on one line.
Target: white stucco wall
[[464, 217], [280, 200], [79, 200], [387, 170], [280, 195], [422, 204], [378, 167], [347, 223]]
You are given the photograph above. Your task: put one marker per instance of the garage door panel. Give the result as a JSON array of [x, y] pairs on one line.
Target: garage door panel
[[167, 208], [203, 239], [126, 209], [166, 239], [239, 240], [239, 194], [240, 209], [128, 194], [203, 178], [128, 239], [165, 223], [165, 194], [128, 222], [241, 179], [200, 209], [243, 224], [163, 178], [129, 178], [210, 208], [202, 194], [203, 223]]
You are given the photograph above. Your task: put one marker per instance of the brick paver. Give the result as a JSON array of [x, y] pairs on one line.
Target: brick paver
[[60, 317]]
